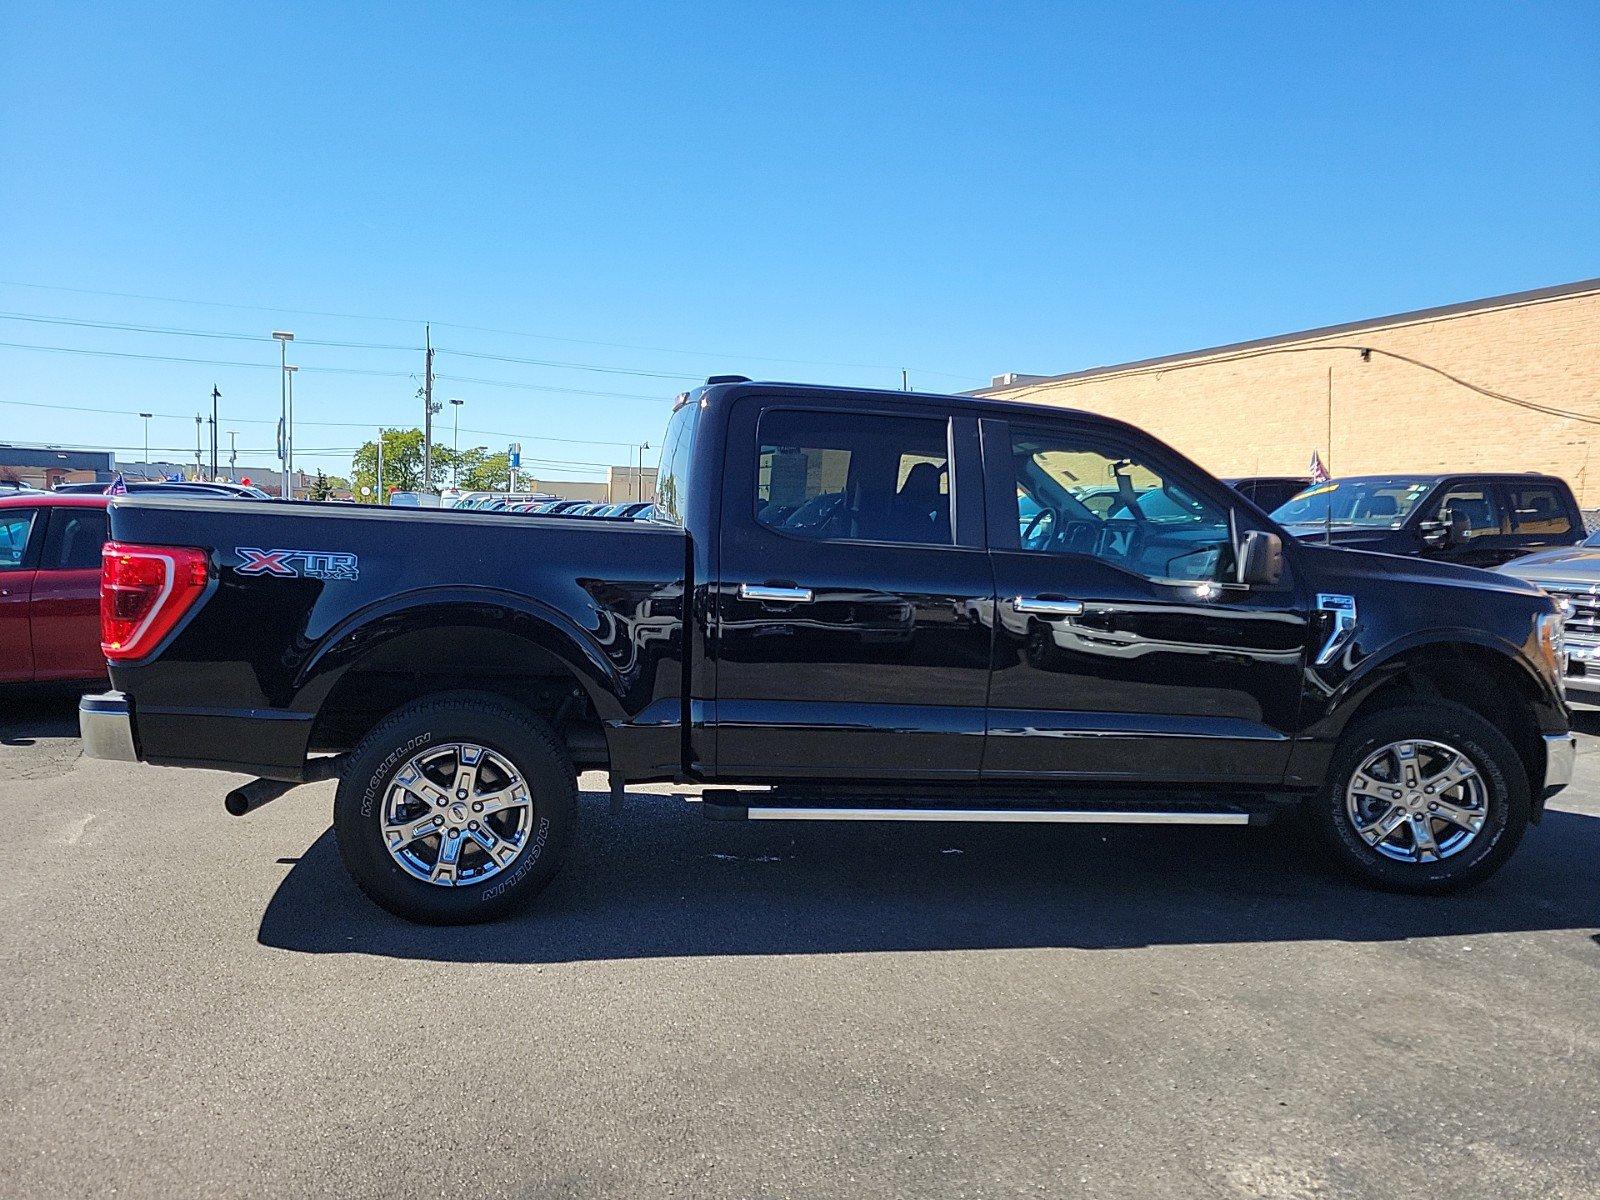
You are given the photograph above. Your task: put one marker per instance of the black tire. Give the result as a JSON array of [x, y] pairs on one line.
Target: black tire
[[1506, 798], [485, 720]]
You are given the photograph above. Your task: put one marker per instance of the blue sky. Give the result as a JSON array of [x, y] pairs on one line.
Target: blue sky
[[821, 192]]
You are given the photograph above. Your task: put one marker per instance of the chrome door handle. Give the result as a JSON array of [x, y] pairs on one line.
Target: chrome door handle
[[1035, 607], [768, 594]]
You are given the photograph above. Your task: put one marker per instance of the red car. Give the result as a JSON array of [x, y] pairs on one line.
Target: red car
[[50, 587]]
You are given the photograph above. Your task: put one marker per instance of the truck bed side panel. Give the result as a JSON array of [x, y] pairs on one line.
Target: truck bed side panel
[[303, 591]]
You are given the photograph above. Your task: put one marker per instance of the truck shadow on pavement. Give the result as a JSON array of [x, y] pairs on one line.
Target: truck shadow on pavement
[[658, 881]]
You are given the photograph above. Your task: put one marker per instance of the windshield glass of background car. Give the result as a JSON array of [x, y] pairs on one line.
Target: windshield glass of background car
[[1382, 503]]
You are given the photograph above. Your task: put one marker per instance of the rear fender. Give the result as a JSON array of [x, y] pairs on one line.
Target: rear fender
[[362, 633]]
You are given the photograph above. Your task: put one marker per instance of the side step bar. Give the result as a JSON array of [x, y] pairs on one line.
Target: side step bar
[[735, 806]]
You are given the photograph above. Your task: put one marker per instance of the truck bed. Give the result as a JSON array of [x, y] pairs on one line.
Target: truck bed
[[311, 598]]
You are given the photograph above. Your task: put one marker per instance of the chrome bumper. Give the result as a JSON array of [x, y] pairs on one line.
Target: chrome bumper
[[1560, 752], [106, 726]]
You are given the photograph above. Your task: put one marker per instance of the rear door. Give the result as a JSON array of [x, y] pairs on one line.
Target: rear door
[[19, 548], [66, 596], [851, 629], [1541, 515]]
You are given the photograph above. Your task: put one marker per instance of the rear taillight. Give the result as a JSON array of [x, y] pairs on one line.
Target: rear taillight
[[144, 591]]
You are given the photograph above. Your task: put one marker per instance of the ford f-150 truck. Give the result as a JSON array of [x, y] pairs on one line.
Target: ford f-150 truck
[[848, 605]]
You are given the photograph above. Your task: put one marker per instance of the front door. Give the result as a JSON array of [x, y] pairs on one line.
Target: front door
[[1485, 530], [18, 549], [66, 596], [1125, 651], [850, 632]]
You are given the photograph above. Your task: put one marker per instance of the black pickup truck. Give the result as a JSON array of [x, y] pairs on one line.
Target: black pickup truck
[[849, 605]]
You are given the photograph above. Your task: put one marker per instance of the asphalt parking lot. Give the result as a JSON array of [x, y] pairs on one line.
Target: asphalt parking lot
[[197, 1005]]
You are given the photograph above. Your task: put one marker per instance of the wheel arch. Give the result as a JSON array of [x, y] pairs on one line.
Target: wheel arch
[[1466, 667], [460, 639]]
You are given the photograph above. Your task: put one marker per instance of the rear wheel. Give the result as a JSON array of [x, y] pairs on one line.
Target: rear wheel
[[456, 808], [1427, 798]]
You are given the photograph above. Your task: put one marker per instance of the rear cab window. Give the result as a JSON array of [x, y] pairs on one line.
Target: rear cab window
[[1538, 509], [835, 476]]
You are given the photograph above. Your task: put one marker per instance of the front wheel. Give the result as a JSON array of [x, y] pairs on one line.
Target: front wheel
[[1428, 798], [455, 808]]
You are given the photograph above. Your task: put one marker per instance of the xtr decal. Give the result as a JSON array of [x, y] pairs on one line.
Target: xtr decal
[[293, 564]]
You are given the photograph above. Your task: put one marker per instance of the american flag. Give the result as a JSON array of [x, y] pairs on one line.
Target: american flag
[[1319, 473], [118, 486]]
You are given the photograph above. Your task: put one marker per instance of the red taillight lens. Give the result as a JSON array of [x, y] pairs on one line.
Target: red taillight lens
[[144, 590]]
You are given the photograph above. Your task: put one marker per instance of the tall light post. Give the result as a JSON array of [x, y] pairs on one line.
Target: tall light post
[[146, 418], [283, 338], [288, 431], [455, 444]]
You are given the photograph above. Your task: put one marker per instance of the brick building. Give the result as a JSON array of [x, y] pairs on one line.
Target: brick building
[[1407, 393]]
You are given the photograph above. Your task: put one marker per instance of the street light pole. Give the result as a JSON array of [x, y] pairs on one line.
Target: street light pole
[[233, 452], [455, 444], [146, 417], [283, 338], [288, 430], [215, 396]]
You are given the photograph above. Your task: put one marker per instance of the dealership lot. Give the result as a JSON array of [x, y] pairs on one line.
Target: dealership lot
[[198, 1005]]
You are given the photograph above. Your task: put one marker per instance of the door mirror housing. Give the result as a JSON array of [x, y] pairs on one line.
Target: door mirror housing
[[1451, 528], [1260, 558]]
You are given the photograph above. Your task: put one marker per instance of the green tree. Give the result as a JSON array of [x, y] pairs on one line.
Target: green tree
[[484, 472], [402, 464]]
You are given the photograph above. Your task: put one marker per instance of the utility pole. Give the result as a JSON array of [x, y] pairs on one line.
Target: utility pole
[[905, 380], [146, 418], [215, 396], [378, 491], [427, 408], [198, 421]]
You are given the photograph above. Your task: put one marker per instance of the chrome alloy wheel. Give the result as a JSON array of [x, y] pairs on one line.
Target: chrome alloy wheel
[[1417, 801], [456, 815]]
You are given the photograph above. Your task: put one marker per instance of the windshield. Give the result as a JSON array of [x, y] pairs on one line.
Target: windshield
[[1381, 503]]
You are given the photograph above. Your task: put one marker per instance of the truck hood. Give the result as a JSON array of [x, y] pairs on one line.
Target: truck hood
[[1355, 537], [1337, 560], [1574, 564]]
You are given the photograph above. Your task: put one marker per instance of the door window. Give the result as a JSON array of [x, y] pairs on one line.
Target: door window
[[1537, 508], [1075, 496], [14, 529], [75, 538], [836, 476], [1475, 502]]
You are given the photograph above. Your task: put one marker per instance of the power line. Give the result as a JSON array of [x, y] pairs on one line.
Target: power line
[[367, 371], [1490, 393], [548, 337]]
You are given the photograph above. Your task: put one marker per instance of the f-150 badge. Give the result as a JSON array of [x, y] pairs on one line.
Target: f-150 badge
[[294, 564]]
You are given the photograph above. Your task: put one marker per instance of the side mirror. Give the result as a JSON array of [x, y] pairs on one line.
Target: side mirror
[[1434, 533], [1260, 558], [1460, 529]]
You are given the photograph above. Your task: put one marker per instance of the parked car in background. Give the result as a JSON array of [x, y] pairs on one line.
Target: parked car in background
[[192, 487], [1572, 575], [50, 587], [1269, 491], [1480, 520], [495, 501]]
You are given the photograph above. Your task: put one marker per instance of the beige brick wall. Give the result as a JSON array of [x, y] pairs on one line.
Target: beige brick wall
[[1264, 412]]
